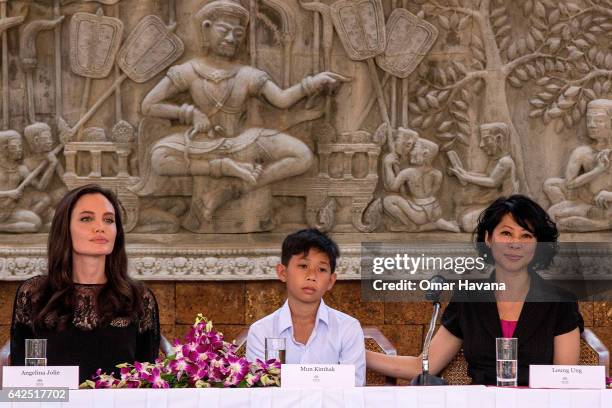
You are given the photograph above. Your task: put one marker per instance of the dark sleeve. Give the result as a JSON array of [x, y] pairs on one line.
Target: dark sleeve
[[451, 318], [568, 318], [147, 345], [19, 332], [22, 320]]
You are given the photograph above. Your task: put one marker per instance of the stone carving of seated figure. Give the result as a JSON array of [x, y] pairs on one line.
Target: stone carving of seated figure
[[38, 198], [225, 159], [581, 199], [13, 217], [413, 205], [499, 178]]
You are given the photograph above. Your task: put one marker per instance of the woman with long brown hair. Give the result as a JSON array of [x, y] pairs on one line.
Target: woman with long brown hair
[[87, 307]]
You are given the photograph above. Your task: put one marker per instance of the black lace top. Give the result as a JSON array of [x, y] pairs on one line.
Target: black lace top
[[85, 342]]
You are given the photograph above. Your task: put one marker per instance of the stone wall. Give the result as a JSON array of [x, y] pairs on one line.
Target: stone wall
[[232, 306], [467, 100]]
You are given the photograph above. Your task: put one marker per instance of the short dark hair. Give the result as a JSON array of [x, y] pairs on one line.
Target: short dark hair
[[302, 241], [529, 215]]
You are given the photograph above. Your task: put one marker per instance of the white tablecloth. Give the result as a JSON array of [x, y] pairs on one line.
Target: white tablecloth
[[377, 397]]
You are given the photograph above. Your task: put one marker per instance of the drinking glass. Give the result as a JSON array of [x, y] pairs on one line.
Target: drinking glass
[[507, 363], [275, 349], [36, 352]]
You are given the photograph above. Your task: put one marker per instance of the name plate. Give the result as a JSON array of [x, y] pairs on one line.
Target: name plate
[[41, 377], [317, 375], [567, 376]]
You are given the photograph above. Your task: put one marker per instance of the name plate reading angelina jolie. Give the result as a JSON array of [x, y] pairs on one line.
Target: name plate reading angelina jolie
[[317, 375], [40, 377], [567, 376]]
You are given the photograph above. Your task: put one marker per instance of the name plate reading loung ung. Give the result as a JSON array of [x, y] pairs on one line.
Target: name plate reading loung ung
[[317, 375], [40, 377], [567, 376]]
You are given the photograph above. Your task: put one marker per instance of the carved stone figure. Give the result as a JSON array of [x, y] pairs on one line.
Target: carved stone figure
[[499, 178], [580, 200], [161, 215], [413, 204], [13, 218], [38, 198], [226, 158]]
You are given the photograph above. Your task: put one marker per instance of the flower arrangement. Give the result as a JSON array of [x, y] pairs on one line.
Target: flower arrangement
[[202, 360]]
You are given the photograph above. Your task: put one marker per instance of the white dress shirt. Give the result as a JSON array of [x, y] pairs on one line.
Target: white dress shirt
[[336, 338]]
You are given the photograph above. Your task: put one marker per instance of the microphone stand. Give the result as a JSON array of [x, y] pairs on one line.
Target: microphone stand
[[425, 378]]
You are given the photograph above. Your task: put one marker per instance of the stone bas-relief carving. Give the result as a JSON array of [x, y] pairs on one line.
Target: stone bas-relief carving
[[225, 159], [499, 178], [201, 140], [46, 190], [412, 200], [157, 263], [27, 202], [13, 216], [580, 201]]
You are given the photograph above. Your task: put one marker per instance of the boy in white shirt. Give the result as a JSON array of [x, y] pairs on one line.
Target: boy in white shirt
[[314, 332]]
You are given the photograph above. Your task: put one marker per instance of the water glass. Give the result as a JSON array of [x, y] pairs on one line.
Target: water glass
[[275, 349], [507, 363], [36, 352]]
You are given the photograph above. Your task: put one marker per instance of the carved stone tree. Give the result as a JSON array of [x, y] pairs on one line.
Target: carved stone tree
[[561, 45], [579, 38]]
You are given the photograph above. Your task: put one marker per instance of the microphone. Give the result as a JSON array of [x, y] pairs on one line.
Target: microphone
[[436, 283]]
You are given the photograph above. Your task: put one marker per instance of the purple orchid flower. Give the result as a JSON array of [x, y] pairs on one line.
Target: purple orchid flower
[[178, 367], [156, 380], [201, 359]]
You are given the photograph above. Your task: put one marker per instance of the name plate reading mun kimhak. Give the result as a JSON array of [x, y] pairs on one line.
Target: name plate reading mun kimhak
[[317, 375], [567, 376], [41, 377]]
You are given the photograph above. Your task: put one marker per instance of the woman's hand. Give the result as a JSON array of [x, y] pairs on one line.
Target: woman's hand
[[443, 348], [567, 348]]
